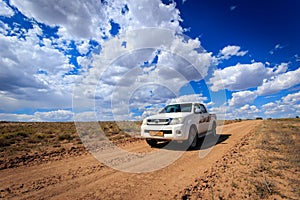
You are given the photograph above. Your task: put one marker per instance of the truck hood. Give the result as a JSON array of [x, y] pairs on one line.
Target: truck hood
[[168, 115]]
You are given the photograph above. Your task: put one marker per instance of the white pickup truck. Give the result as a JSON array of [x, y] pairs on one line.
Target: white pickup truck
[[181, 122]]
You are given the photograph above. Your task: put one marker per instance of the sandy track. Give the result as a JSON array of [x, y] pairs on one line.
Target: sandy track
[[84, 177]]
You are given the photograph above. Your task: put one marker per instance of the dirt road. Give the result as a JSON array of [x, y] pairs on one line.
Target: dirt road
[[84, 177]]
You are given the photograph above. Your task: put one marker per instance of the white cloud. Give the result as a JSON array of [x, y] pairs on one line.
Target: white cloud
[[287, 106], [83, 47], [222, 112], [77, 18], [89, 116], [246, 112], [269, 105], [244, 76], [280, 82], [128, 83], [51, 116], [276, 48], [35, 67], [239, 77], [297, 57], [229, 51], [282, 68], [5, 10], [291, 99], [32, 75], [242, 97], [18, 117], [57, 115], [147, 14], [91, 19], [189, 98], [151, 111]]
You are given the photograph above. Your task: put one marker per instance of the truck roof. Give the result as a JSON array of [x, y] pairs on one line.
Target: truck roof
[[185, 103]]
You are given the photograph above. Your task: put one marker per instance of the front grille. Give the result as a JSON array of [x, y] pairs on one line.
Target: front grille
[[164, 131], [158, 121], [167, 132]]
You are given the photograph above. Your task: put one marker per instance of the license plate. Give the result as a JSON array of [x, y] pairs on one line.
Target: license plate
[[156, 133]]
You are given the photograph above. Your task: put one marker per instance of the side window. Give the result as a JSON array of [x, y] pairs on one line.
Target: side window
[[196, 106], [203, 109]]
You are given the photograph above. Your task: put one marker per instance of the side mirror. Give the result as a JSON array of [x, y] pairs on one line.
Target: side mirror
[[197, 110]]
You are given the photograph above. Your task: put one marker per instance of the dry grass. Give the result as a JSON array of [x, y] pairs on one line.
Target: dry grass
[[265, 165], [25, 141], [225, 122], [279, 160]]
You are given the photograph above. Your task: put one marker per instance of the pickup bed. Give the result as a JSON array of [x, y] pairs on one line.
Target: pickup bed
[[180, 122]]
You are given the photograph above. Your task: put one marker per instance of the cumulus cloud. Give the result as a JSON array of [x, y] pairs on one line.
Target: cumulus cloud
[[57, 115], [136, 66], [92, 19], [152, 58], [34, 78], [44, 78], [282, 68], [189, 98], [242, 98], [229, 51], [280, 82], [150, 14], [287, 106], [77, 18], [244, 76], [239, 77], [246, 112], [52, 116], [293, 98], [5, 10]]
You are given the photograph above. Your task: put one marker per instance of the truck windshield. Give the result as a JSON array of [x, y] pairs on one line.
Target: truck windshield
[[177, 108]]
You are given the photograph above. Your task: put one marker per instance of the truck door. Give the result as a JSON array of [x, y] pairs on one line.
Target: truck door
[[204, 119], [200, 118]]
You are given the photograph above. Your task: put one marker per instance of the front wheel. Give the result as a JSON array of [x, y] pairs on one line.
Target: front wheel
[[151, 142]]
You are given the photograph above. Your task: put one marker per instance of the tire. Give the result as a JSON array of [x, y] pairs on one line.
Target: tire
[[151, 142], [193, 138], [214, 130]]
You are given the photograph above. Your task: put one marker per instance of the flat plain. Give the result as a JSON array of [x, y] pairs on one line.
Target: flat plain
[[252, 159]]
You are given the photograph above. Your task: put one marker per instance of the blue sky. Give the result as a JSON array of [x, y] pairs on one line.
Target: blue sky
[[123, 60]]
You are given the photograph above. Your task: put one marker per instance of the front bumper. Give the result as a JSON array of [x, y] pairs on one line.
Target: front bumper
[[171, 132]]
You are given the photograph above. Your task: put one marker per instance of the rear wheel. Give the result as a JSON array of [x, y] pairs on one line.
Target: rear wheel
[[214, 130], [151, 142], [193, 138]]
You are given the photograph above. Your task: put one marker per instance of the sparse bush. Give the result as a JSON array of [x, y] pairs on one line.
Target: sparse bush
[[65, 136], [39, 136], [4, 142], [7, 136], [22, 134]]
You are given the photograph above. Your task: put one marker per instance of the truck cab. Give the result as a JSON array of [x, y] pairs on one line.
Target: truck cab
[[180, 122]]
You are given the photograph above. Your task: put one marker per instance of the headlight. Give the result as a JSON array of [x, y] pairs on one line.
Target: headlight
[[176, 121], [144, 122]]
